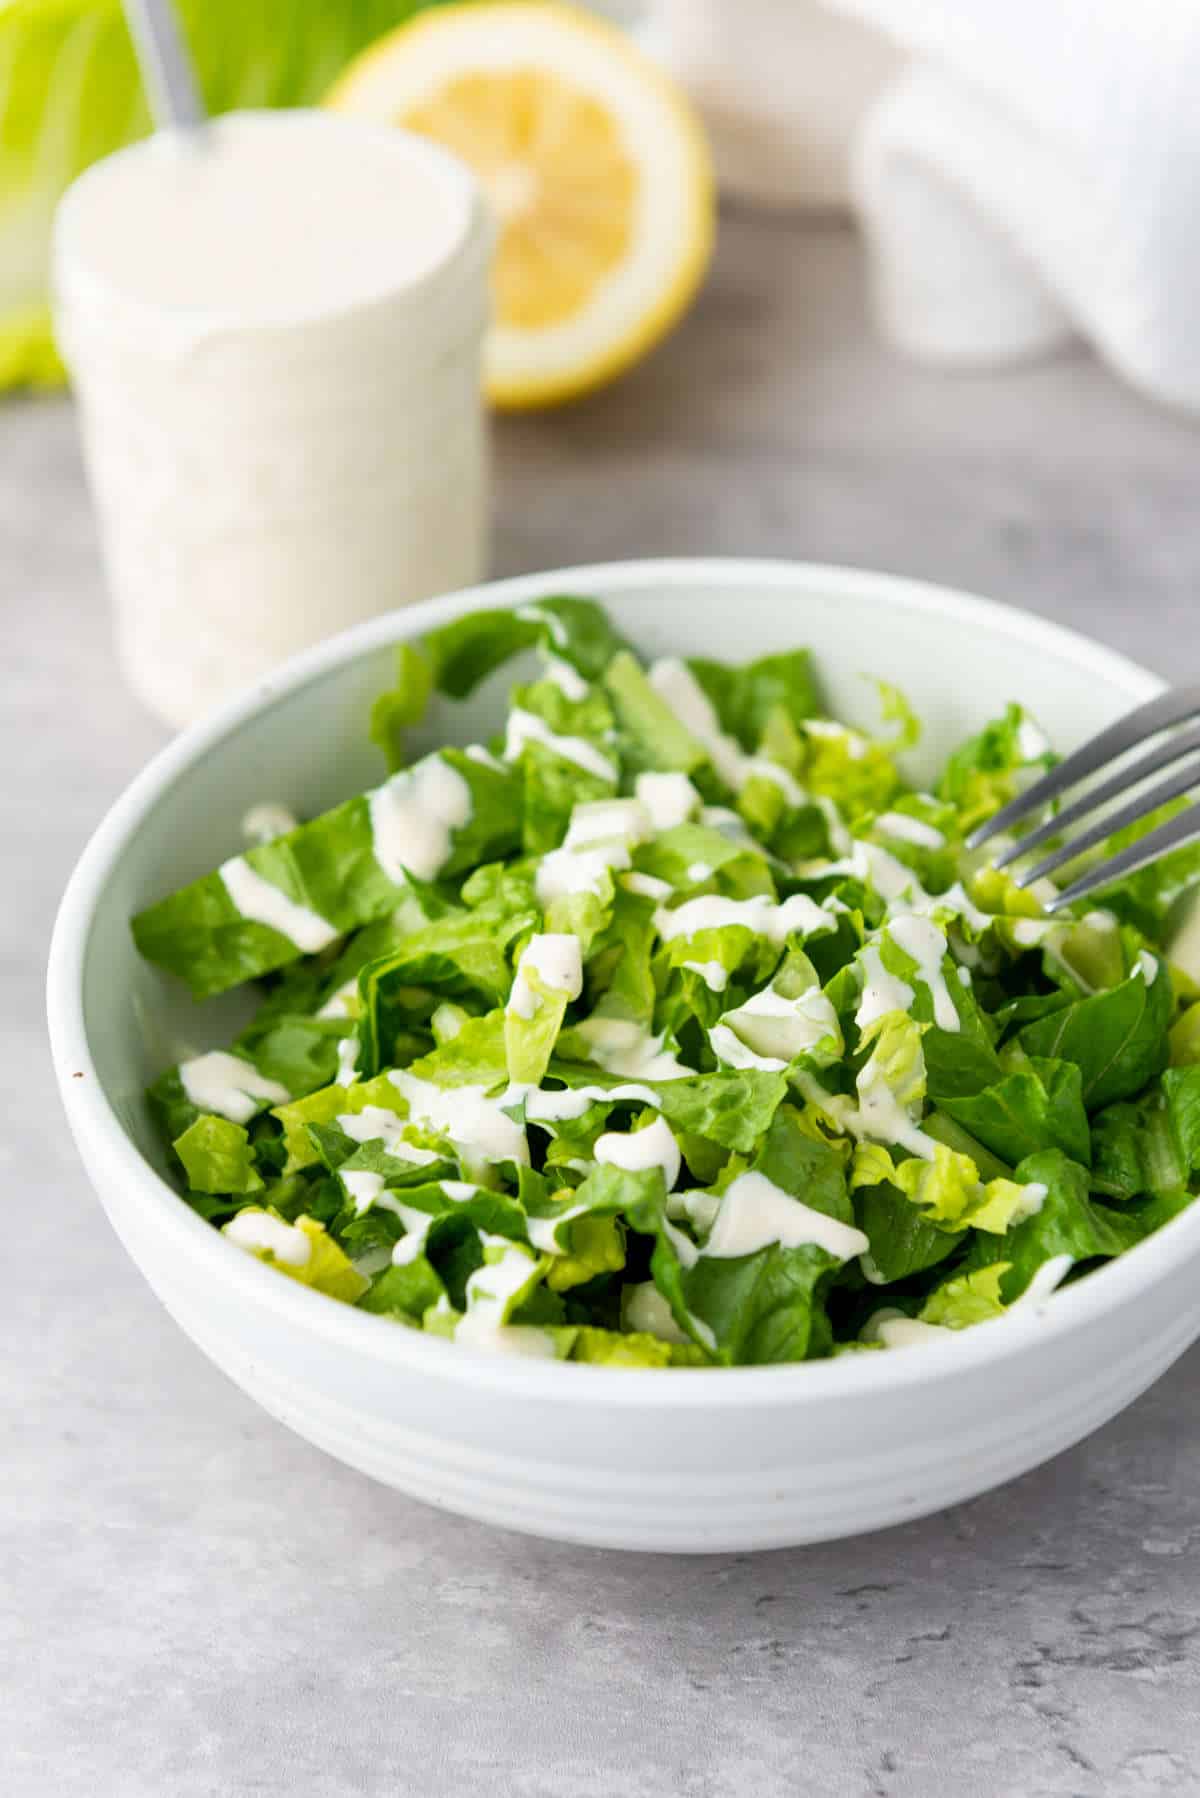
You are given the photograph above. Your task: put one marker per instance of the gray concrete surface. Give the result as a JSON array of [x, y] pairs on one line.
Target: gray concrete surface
[[193, 1603]]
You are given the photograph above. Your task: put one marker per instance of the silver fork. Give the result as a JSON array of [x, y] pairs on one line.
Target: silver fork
[[1180, 706]]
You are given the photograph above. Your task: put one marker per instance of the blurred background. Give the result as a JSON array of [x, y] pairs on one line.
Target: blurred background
[[941, 321], [947, 327]]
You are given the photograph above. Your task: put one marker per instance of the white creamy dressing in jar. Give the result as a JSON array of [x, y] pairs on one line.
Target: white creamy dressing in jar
[[274, 326]]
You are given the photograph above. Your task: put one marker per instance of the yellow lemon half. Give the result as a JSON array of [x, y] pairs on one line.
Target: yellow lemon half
[[596, 169]]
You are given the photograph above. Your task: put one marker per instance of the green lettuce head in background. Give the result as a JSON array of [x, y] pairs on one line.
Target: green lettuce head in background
[[70, 93]]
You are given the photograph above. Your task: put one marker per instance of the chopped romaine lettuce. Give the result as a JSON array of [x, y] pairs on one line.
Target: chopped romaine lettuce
[[676, 1029]]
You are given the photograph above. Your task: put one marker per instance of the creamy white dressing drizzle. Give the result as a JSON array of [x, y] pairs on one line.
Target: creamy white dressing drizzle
[[622, 1047], [647, 1310], [856, 743], [921, 940], [417, 1223], [907, 829], [1147, 966], [769, 1030], [732, 1052], [755, 1213], [412, 1243], [647, 886], [263, 823], [535, 614], [414, 816], [714, 975], [556, 960], [685, 1249], [375, 1124], [264, 903], [678, 687], [674, 682], [699, 1208], [259, 1233], [1047, 1279], [526, 727], [476, 752], [882, 991], [894, 1330], [367, 1190], [340, 1004], [599, 820], [543, 1231], [565, 871], [640, 1150], [567, 679], [878, 1114], [956, 902], [761, 767], [476, 1124], [558, 1107], [229, 1086], [670, 799], [363, 1187], [698, 871], [761, 914], [494, 1288], [347, 1061]]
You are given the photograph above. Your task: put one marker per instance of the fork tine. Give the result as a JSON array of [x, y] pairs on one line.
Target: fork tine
[[1173, 707], [1176, 833], [1173, 750], [1140, 806]]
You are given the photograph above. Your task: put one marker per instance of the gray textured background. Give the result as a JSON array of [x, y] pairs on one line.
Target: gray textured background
[[193, 1603]]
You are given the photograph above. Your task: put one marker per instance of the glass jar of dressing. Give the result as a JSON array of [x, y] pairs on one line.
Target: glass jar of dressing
[[274, 327]]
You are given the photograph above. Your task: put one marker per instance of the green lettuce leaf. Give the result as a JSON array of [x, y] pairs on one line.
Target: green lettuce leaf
[[1117, 1039], [462, 958], [903, 1240], [327, 866], [554, 784], [405, 1293], [217, 1157], [987, 770], [1040, 1107], [614, 1348], [1151, 1144], [651, 735], [965, 1299], [402, 706], [745, 697], [300, 1052], [326, 1269], [1069, 1223], [464, 652]]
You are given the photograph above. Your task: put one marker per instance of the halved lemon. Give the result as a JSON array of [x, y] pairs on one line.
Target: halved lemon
[[595, 166]]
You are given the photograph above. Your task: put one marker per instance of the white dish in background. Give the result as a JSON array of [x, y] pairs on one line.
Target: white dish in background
[[685, 1460]]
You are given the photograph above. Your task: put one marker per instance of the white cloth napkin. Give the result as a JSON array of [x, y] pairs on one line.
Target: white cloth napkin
[[1026, 170], [1036, 172]]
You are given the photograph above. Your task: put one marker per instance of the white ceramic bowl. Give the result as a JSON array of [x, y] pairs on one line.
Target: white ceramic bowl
[[687, 1460]]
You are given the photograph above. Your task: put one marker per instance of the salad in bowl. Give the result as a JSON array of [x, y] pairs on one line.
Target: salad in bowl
[[674, 1026]]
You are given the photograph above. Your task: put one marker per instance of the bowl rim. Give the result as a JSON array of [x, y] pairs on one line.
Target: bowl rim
[[100, 1136]]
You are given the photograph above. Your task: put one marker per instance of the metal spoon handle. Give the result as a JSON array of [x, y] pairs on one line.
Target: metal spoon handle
[[166, 64]]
